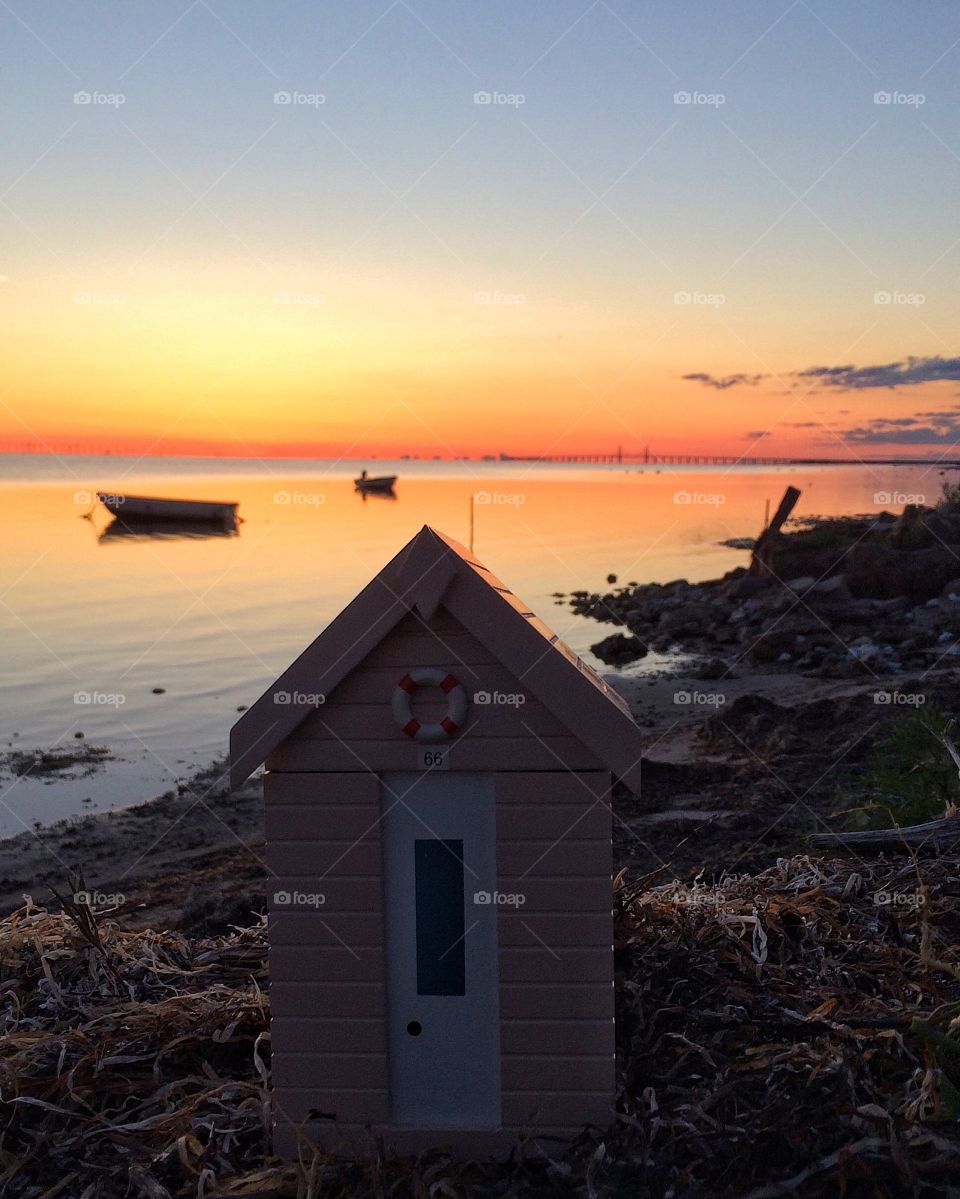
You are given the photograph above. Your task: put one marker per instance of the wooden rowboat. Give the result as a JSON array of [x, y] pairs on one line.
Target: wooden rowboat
[[381, 483], [131, 508]]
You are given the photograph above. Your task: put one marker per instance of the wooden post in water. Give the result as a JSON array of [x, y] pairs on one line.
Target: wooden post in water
[[759, 563]]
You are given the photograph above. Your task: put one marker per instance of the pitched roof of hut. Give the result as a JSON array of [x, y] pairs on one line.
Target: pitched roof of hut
[[429, 572]]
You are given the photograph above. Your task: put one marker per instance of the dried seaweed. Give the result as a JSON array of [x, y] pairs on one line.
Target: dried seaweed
[[791, 1032]]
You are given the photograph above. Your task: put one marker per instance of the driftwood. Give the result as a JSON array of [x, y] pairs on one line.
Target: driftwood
[[759, 563], [934, 835]]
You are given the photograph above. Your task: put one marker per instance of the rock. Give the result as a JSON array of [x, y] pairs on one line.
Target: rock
[[799, 586], [619, 649], [942, 527], [712, 669], [771, 645], [884, 573], [685, 619], [951, 591], [864, 650], [910, 531], [833, 588], [746, 586]]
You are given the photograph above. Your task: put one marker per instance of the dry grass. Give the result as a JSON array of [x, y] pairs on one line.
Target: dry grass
[[786, 1033], [780, 1034]]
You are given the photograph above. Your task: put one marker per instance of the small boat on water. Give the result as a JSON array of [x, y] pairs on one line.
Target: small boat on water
[[134, 508], [382, 484]]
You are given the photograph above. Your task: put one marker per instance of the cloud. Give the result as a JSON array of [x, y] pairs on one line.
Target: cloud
[[890, 374], [723, 382], [943, 429], [909, 373], [757, 434]]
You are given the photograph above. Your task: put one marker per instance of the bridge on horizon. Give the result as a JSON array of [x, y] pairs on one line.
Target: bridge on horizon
[[648, 458]]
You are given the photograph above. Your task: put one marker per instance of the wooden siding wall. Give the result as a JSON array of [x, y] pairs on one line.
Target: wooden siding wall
[[328, 993], [556, 948], [354, 728], [327, 978]]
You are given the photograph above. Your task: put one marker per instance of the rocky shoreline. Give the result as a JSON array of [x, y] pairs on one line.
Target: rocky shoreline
[[837, 598]]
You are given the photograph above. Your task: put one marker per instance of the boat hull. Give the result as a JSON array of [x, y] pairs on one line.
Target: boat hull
[[382, 484], [147, 508]]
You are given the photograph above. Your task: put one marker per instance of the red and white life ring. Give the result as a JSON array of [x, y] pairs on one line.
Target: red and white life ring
[[429, 676]]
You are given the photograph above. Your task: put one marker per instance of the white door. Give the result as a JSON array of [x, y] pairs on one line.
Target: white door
[[441, 951]]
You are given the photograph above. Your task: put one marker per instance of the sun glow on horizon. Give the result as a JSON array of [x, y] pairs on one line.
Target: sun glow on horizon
[[399, 268]]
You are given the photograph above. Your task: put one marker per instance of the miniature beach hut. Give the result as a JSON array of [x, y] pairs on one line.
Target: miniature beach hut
[[438, 827]]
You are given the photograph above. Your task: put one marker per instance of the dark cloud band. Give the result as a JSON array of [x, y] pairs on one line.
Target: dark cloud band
[[910, 373]]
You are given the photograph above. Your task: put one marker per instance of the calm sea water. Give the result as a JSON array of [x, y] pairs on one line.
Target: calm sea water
[[213, 620]]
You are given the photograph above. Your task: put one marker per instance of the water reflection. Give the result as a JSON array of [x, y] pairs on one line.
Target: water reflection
[[196, 530], [366, 494], [213, 624]]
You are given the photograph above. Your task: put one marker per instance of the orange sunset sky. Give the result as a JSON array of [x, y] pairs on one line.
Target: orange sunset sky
[[456, 229]]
